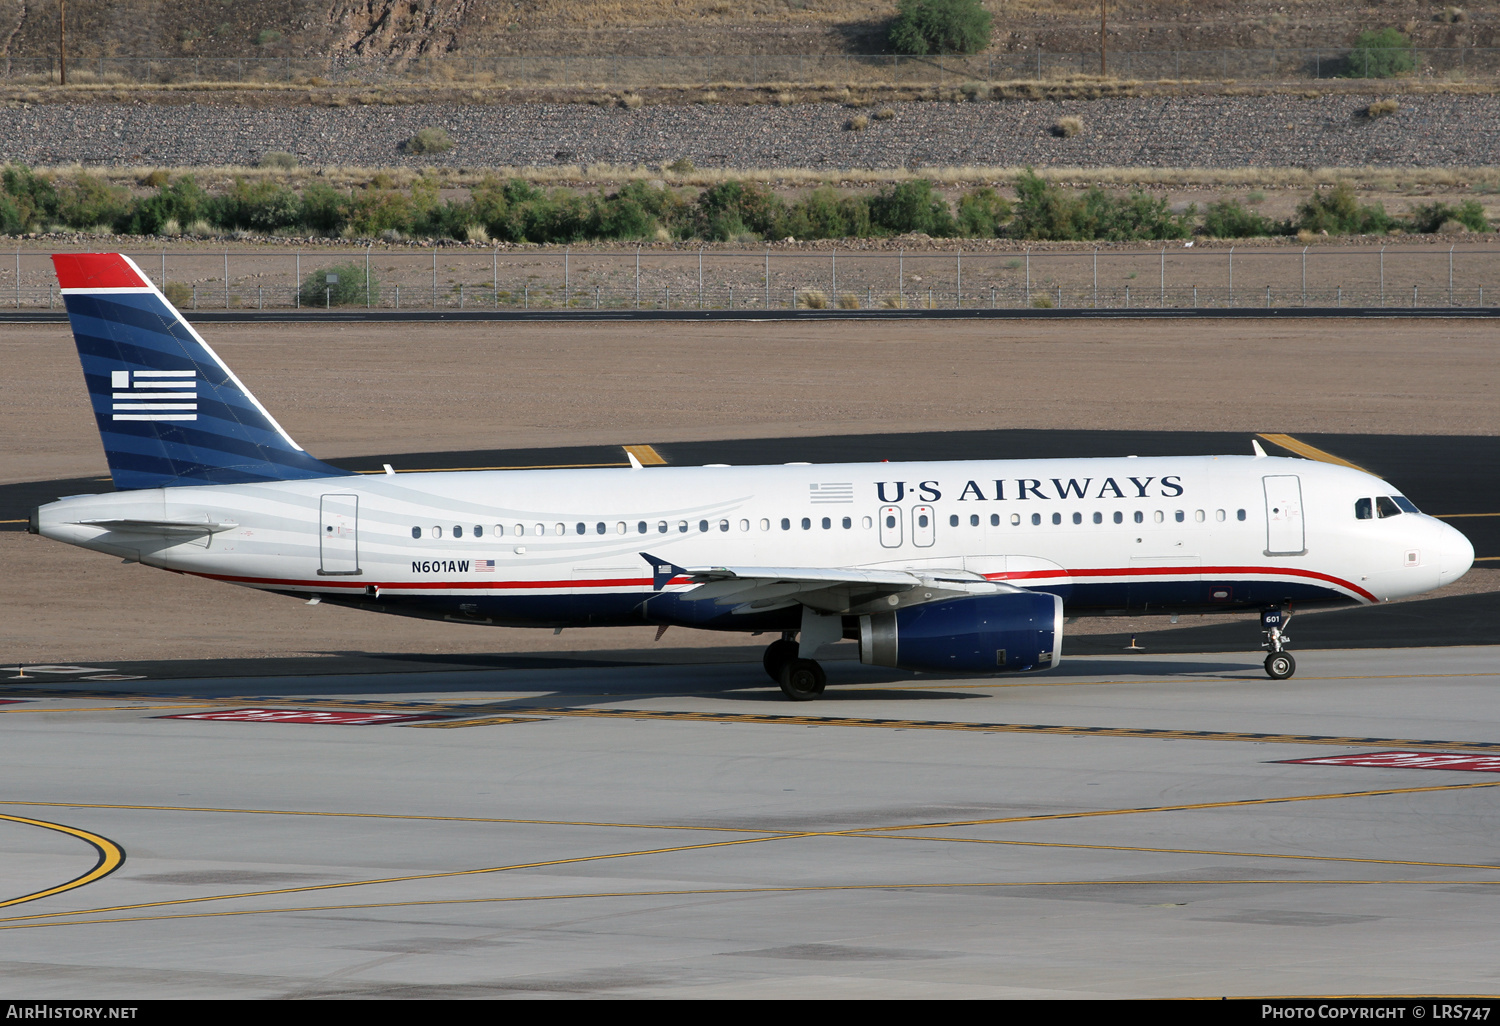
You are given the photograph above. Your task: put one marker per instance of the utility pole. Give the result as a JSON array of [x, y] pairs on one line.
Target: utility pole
[[1103, 45]]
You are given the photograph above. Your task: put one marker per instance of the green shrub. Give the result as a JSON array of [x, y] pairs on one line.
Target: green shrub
[[1339, 212], [1227, 219], [1432, 216], [1044, 211], [824, 214], [912, 207], [982, 213], [279, 159], [87, 202], [1382, 54], [263, 206], [731, 208], [347, 290], [427, 140], [179, 294], [939, 26], [324, 209], [29, 199]]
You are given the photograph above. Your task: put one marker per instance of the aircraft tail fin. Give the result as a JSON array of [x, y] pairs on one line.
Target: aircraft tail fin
[[170, 412]]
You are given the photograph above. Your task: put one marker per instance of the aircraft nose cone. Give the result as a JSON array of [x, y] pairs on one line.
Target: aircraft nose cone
[[1455, 554]]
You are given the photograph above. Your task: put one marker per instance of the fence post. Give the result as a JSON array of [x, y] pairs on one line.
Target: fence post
[[700, 277], [567, 251], [1450, 275], [226, 279], [835, 288], [1382, 276], [367, 275], [1028, 276], [1231, 276], [434, 279], [1268, 297], [901, 275], [1163, 277], [960, 302], [1304, 275], [297, 284], [1127, 297], [1096, 277], [637, 277]]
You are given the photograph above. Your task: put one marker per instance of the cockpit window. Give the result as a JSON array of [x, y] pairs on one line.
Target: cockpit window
[[1364, 509], [1385, 507], [1404, 503]]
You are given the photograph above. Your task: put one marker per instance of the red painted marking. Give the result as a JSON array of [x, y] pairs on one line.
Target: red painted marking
[[1212, 573], [95, 271], [300, 716], [1410, 760]]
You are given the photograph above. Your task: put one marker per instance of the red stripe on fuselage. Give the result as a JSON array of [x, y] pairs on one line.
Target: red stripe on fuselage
[[1038, 576]]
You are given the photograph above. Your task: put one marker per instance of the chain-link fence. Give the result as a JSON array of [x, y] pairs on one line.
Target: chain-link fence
[[470, 279], [772, 70]]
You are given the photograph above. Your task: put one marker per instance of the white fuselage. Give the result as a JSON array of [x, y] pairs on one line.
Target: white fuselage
[[563, 547]]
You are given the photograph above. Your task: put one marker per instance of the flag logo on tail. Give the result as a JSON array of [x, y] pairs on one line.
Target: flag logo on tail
[[155, 394]]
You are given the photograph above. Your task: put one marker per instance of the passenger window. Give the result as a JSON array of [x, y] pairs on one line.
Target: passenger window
[[723, 525], [765, 525], [922, 520], [620, 527], [1384, 507], [559, 529], [806, 524], [973, 519], [1098, 518], [1140, 517], [1036, 520], [599, 528], [437, 532], [1199, 515], [520, 530], [890, 521], [1239, 514], [1119, 517], [416, 532], [867, 523], [458, 532], [581, 528], [953, 520], [848, 523], [786, 524], [499, 530], [682, 527], [661, 527], [1219, 515], [744, 525], [479, 530], [1015, 519], [1077, 518], [702, 526], [640, 528], [1179, 516], [1158, 516], [1057, 518], [994, 519], [827, 523]]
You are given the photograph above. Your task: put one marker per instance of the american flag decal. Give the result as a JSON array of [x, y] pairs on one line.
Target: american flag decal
[[831, 493], [155, 394], [484, 566]]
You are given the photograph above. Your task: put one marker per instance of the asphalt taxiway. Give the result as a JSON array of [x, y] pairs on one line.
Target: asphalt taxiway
[[1115, 827]]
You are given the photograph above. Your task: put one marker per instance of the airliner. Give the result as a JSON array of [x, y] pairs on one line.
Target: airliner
[[945, 567]]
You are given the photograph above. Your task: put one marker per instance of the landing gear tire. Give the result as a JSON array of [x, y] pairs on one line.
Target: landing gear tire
[[802, 680], [778, 654], [1280, 665]]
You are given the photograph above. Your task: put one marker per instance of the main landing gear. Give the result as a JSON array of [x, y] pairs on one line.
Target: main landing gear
[[801, 680], [1279, 664]]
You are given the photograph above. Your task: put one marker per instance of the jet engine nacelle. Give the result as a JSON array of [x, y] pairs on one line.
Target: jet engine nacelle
[[983, 634]]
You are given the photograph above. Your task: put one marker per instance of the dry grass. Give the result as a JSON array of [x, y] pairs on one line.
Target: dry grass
[[1381, 108], [885, 114], [858, 123], [812, 299], [1068, 127]]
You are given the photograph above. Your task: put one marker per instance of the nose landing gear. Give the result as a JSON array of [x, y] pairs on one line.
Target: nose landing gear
[[1279, 664], [801, 680]]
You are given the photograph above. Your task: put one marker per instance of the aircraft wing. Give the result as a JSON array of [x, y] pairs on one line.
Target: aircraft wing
[[842, 590]]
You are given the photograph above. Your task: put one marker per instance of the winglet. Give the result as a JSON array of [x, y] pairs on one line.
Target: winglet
[[662, 570], [1259, 452], [635, 464]]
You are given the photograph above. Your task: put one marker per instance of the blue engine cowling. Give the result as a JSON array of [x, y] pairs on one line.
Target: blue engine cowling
[[984, 634]]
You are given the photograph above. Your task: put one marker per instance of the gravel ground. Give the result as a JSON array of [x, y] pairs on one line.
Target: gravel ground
[[1196, 131]]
